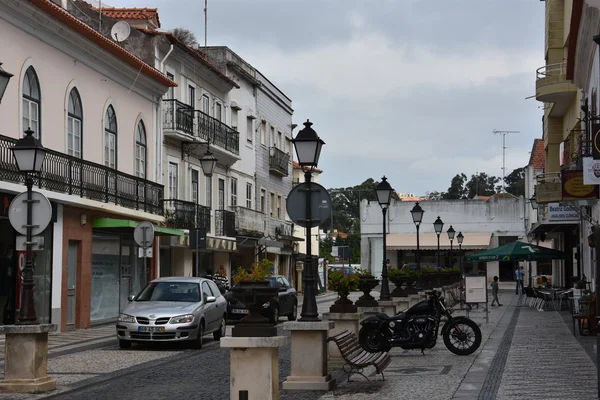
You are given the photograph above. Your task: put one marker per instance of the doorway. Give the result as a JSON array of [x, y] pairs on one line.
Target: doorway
[[72, 267]]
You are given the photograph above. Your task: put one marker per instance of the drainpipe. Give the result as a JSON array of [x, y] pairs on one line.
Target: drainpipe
[[159, 136]]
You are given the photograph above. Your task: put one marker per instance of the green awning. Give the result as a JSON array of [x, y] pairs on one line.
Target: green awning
[[517, 251], [126, 224]]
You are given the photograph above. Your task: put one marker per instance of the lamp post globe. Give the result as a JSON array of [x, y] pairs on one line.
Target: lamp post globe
[[438, 226], [29, 154], [459, 238], [308, 146], [533, 202], [383, 191], [4, 79], [208, 162], [417, 214]]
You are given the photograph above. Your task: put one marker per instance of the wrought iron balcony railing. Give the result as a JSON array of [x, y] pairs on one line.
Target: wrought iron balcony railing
[[249, 222], [279, 161], [180, 214], [225, 223], [74, 176], [178, 116]]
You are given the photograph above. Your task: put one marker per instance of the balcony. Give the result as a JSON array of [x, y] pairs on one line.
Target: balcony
[[279, 162], [249, 222], [180, 214], [178, 120], [225, 223], [552, 86], [65, 174]]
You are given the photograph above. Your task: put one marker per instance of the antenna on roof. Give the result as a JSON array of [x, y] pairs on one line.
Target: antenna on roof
[[205, 27], [503, 133], [100, 16]]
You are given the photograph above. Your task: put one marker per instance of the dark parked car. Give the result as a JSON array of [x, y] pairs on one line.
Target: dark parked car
[[286, 302]]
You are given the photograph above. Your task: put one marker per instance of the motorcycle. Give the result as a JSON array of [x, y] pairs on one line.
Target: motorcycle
[[417, 328]]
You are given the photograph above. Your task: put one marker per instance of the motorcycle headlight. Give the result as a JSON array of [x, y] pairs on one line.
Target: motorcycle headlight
[[182, 319], [126, 318]]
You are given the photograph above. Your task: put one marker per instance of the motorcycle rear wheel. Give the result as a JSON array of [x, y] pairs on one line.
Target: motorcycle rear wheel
[[469, 340], [372, 341]]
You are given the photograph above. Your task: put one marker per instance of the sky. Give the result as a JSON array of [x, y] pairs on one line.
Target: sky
[[409, 89]]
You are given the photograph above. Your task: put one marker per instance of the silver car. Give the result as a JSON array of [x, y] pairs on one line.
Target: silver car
[[173, 309]]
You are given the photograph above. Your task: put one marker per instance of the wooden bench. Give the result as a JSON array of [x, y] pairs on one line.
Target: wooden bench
[[356, 357]]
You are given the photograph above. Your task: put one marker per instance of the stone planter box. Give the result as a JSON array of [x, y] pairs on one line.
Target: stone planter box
[[399, 281], [367, 283], [253, 294]]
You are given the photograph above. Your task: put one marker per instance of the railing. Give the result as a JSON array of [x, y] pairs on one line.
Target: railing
[[224, 223], [249, 222], [180, 214], [178, 116], [279, 161], [219, 133], [74, 176], [551, 70]]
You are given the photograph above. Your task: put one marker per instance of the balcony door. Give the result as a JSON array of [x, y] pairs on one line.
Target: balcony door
[[195, 179], [221, 194]]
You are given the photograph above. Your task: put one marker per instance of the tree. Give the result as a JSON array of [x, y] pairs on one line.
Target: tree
[[515, 182], [457, 188], [481, 185], [435, 195], [185, 36]]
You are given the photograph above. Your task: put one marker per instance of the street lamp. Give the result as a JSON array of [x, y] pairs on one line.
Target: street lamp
[[29, 156], [4, 78], [438, 225], [450, 233], [459, 239], [417, 216], [384, 197], [208, 162], [308, 149]]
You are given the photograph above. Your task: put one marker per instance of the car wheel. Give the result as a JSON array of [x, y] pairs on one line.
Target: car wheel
[[294, 314], [200, 338], [124, 344], [222, 329], [275, 314]]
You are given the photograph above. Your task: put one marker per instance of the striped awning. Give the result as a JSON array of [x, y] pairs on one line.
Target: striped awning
[[428, 241]]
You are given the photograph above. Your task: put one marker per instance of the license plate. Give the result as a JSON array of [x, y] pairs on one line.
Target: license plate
[[239, 311], [151, 328]]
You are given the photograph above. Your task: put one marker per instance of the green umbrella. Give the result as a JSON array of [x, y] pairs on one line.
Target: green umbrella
[[517, 251]]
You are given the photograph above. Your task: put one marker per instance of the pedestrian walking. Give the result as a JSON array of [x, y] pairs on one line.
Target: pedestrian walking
[[519, 272], [495, 292]]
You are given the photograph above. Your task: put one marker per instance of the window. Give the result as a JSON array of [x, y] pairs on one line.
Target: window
[[74, 124], [272, 136], [195, 178], [249, 129], [249, 195], [279, 207], [221, 194], [234, 186], [171, 91], [263, 133], [272, 205], [173, 179], [110, 138], [234, 118], [263, 200], [209, 192], [205, 105], [289, 146], [218, 112], [279, 140], [31, 103], [140, 150], [192, 96]]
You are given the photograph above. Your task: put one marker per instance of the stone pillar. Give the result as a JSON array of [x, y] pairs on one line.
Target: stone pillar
[[413, 299], [390, 306], [299, 275], [26, 359], [343, 322], [403, 304], [254, 366], [309, 356], [366, 312]]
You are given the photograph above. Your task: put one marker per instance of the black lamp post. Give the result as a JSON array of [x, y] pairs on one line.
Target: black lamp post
[[459, 239], [384, 197], [451, 233], [308, 149], [29, 156], [417, 216], [4, 78], [438, 225], [208, 162]]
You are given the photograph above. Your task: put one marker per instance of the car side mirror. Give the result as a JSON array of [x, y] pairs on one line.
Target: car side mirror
[[210, 299], [131, 297]]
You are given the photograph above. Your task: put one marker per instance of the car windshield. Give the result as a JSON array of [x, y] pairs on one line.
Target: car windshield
[[170, 291], [272, 281]]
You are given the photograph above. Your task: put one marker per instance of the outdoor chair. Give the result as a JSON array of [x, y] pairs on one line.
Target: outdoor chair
[[530, 296]]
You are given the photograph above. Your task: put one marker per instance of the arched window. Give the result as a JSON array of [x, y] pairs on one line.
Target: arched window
[[140, 150], [110, 138], [74, 124], [31, 103]]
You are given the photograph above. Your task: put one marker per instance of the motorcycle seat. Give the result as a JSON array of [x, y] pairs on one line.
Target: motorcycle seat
[[396, 317]]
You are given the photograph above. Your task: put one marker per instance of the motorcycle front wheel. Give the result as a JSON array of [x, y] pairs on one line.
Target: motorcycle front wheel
[[464, 342], [372, 340]]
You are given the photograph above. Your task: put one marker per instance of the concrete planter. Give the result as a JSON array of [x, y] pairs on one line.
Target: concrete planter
[[367, 284], [343, 305], [253, 294], [399, 281]]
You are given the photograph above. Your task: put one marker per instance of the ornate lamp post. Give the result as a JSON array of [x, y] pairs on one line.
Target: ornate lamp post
[[459, 239], [208, 162], [438, 225], [451, 233], [417, 216], [384, 197], [308, 149], [29, 156], [4, 78]]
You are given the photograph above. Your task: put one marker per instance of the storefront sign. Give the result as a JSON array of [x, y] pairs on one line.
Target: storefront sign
[[591, 171], [573, 187], [548, 192], [557, 212], [596, 140], [221, 244]]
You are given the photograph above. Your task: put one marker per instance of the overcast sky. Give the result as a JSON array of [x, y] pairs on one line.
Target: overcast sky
[[407, 88]]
